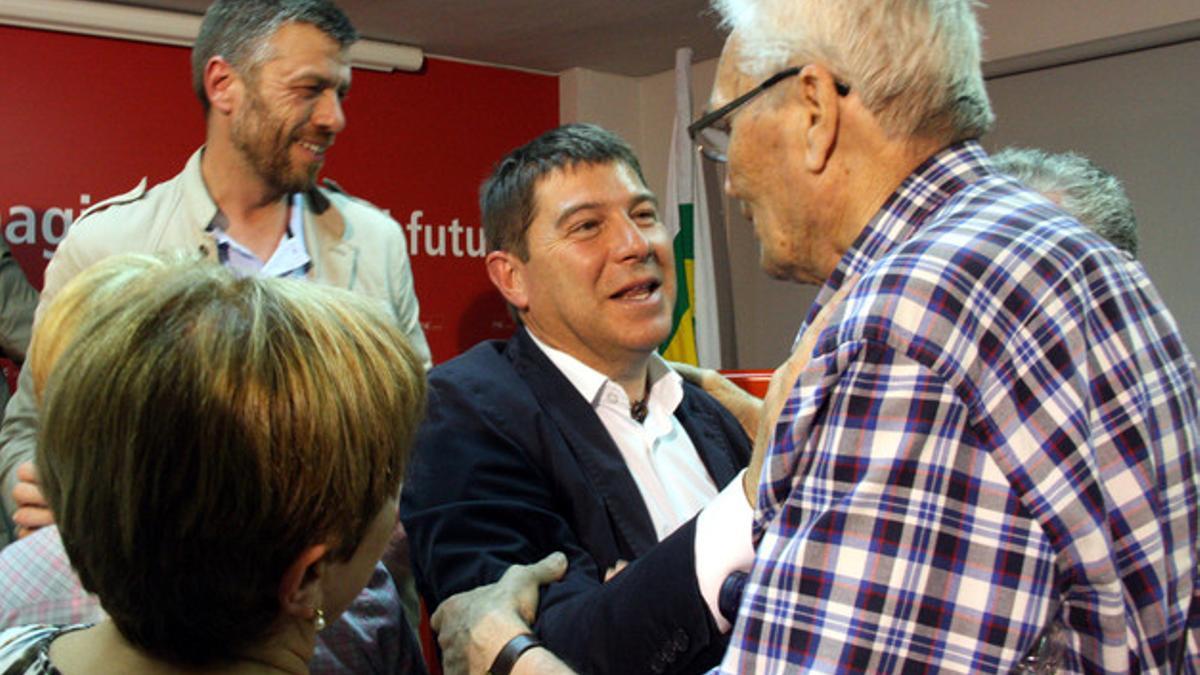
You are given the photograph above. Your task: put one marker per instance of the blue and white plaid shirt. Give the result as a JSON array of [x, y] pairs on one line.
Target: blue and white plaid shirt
[[998, 429]]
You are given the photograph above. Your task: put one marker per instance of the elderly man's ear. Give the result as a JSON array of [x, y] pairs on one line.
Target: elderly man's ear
[[507, 273], [815, 100]]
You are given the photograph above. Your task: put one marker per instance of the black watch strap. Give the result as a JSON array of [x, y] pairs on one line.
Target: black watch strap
[[507, 658]]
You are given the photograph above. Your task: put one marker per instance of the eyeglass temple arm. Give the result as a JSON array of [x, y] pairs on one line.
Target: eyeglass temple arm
[[708, 118], [712, 116]]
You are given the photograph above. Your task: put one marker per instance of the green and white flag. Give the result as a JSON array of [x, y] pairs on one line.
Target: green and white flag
[[695, 334]]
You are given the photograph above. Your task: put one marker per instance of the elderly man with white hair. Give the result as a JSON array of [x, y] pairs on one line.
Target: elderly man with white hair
[[986, 452], [992, 453]]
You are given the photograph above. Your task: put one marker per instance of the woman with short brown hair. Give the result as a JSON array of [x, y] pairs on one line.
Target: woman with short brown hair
[[223, 458]]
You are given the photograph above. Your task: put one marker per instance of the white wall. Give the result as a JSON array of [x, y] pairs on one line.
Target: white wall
[[612, 101], [641, 110]]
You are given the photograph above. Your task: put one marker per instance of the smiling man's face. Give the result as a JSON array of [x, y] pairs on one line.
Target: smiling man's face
[[292, 107], [599, 281]]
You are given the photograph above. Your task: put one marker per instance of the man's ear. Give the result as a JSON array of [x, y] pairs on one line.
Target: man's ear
[[222, 84], [300, 588], [507, 272], [816, 97]]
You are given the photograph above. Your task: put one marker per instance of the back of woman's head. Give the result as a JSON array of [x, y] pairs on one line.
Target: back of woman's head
[[101, 285], [200, 434]]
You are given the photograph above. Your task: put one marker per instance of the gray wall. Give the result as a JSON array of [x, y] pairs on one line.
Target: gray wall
[[766, 313], [1136, 114]]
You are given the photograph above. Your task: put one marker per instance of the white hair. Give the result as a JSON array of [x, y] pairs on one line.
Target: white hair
[[1089, 193], [914, 63]]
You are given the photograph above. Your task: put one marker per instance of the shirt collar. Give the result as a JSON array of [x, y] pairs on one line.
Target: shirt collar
[[924, 191], [295, 221], [290, 258], [666, 386]]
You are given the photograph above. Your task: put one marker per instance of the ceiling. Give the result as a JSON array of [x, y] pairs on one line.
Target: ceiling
[[626, 37], [639, 37]]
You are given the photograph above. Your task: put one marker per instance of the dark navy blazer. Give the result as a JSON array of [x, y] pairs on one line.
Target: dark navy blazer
[[512, 464]]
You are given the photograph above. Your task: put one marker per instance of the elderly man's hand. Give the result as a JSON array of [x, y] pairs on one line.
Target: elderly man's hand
[[745, 407], [32, 511], [474, 626]]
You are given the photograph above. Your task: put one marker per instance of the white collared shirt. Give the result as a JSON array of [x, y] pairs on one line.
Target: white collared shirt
[[660, 455]]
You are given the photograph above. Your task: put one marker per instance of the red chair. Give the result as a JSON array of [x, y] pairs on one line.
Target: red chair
[[755, 382], [429, 647]]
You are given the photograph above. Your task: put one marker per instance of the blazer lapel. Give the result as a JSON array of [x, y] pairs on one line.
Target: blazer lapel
[[589, 442], [705, 431], [334, 260]]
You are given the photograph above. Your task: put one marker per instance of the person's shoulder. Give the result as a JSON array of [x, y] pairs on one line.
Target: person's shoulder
[[999, 199], [363, 217], [115, 209], [115, 225], [696, 397], [24, 635], [480, 388], [697, 401], [127, 217], [485, 362], [992, 229], [996, 251], [132, 208], [492, 377], [1005, 240]]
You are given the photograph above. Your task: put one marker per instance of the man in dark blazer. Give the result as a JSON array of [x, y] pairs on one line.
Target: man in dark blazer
[[574, 435]]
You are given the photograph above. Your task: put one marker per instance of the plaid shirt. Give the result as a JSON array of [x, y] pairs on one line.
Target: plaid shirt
[[39, 586], [998, 429]]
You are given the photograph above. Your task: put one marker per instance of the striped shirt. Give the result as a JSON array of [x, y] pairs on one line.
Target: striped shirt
[[26, 650], [997, 431]]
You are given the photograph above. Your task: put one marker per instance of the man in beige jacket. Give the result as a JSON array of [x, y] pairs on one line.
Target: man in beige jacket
[[271, 82], [270, 77]]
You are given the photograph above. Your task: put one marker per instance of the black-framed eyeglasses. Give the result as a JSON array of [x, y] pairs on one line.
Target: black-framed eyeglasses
[[714, 141]]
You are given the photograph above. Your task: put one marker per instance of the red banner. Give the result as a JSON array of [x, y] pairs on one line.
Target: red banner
[[86, 118]]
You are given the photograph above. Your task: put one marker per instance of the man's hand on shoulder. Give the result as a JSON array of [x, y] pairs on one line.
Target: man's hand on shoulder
[[745, 407]]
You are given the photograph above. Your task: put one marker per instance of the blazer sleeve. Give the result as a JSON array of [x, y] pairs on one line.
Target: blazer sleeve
[[17, 301], [489, 486]]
